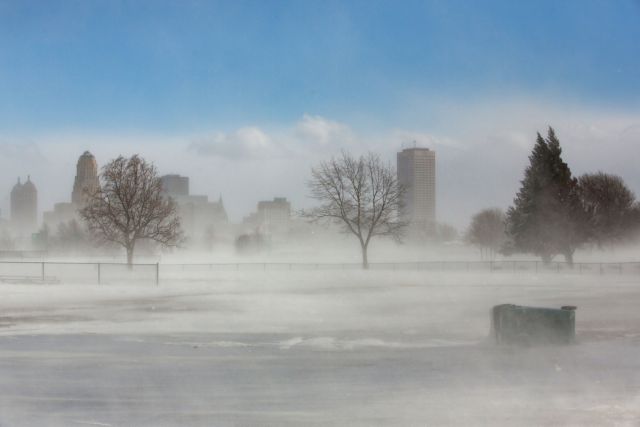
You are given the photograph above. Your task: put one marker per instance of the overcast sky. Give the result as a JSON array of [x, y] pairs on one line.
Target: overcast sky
[[243, 97]]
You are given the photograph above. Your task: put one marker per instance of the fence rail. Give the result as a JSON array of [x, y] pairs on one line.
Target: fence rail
[[110, 272]]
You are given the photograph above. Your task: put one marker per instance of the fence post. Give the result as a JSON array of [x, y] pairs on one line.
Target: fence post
[[157, 274], [490, 265], [536, 267], [42, 271], [99, 278], [600, 268]]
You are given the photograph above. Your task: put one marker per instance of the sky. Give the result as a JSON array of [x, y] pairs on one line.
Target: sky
[[245, 97]]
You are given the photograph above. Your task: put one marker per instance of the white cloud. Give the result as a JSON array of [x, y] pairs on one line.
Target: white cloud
[[244, 143], [22, 151], [408, 138], [324, 132], [309, 136]]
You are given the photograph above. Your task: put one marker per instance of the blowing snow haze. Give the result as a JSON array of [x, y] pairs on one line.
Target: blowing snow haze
[[302, 213]]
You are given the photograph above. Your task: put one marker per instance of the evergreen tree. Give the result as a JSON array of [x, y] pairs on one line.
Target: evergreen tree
[[547, 218]]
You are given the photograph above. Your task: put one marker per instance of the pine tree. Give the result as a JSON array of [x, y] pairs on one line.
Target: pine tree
[[546, 218]]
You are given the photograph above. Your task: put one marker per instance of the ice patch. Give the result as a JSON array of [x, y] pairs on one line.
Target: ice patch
[[215, 344], [286, 345], [331, 343], [92, 423]]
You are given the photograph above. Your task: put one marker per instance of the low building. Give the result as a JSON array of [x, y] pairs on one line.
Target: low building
[[271, 217], [202, 221], [63, 212], [175, 185]]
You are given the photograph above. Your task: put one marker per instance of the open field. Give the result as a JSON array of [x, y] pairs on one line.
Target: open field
[[319, 348]]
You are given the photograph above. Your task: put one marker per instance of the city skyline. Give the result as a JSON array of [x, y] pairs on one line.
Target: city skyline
[[270, 89], [24, 198]]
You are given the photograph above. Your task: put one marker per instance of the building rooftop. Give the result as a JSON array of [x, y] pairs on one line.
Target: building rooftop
[[416, 148]]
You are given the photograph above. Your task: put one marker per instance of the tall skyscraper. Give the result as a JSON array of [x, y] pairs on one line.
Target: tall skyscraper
[[86, 177], [24, 206], [417, 173]]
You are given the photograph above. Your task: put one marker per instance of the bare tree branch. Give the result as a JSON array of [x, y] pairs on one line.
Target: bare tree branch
[[130, 206], [361, 194]]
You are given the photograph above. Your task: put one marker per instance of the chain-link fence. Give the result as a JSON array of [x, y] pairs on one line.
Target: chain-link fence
[[76, 272], [110, 272], [193, 270]]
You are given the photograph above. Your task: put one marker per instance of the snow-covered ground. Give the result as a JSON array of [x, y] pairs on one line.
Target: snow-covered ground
[[318, 348]]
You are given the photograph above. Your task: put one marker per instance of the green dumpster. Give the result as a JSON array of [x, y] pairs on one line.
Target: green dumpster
[[515, 324]]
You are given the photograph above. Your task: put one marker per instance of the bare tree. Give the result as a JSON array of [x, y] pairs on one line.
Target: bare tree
[[130, 206], [613, 214], [487, 231], [360, 194]]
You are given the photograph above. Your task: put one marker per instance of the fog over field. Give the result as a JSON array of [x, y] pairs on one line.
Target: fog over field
[[311, 348]]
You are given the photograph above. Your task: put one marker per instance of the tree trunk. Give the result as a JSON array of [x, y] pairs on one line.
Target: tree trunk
[[365, 260], [130, 257], [568, 257]]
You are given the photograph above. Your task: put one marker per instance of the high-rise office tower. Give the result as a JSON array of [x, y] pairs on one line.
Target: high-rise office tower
[[86, 178], [417, 173]]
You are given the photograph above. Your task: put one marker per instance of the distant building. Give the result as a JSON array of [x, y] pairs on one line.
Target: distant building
[[175, 185], [202, 221], [62, 212], [417, 173], [271, 216], [24, 206], [86, 178]]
